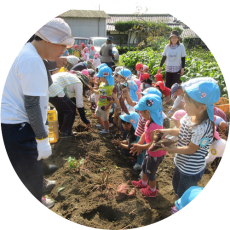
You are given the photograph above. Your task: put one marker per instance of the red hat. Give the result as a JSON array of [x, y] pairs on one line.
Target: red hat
[[92, 47], [145, 75], [82, 44], [76, 46], [138, 66], [161, 85], [159, 77]]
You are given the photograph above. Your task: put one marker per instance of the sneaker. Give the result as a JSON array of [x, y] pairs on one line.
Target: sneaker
[[99, 126], [47, 168], [147, 192], [104, 131], [137, 167], [110, 125], [140, 175], [48, 185], [47, 202], [138, 184]]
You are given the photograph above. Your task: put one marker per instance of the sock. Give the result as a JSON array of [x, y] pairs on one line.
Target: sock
[[152, 189], [144, 182]]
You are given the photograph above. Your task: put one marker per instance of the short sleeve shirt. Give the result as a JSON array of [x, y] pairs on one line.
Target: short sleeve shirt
[[104, 91], [166, 92]]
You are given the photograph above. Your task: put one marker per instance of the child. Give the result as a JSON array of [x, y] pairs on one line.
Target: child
[[196, 135], [82, 51], [76, 51], [86, 52], [92, 52], [96, 60], [105, 90], [138, 82], [216, 149], [158, 77], [139, 69], [177, 116], [164, 90], [129, 123], [147, 82], [150, 107], [186, 198]]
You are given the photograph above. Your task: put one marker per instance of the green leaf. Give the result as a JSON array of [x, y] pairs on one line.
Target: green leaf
[[82, 161], [103, 169], [60, 189]]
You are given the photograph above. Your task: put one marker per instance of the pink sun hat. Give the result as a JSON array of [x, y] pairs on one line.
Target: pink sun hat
[[178, 114], [138, 82], [85, 72]]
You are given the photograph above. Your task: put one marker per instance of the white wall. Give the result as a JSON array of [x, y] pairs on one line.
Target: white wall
[[87, 27]]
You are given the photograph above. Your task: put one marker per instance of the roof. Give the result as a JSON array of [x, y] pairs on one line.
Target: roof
[[84, 14], [165, 18], [168, 19]]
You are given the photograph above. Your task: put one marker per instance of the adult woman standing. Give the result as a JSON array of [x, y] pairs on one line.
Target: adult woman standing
[[174, 58], [106, 52]]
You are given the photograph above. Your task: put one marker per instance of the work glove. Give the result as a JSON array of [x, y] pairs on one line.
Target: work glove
[[44, 148], [170, 111]]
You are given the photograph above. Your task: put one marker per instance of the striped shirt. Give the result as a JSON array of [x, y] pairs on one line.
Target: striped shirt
[[141, 125], [200, 135]]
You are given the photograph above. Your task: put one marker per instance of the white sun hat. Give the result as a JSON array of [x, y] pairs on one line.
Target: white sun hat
[[56, 31]]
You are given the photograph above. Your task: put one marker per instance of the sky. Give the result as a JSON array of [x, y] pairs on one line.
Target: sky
[[120, 7]]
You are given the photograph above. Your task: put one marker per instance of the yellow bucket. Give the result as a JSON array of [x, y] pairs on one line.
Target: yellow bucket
[[52, 115], [53, 137], [62, 69]]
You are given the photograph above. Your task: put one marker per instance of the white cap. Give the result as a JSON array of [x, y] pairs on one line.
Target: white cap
[[57, 31]]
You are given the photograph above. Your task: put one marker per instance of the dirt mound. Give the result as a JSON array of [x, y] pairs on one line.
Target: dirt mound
[[87, 195]]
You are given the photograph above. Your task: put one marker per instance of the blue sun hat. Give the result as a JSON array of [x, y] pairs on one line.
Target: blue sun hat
[[153, 103], [106, 71], [133, 89], [125, 73], [132, 118], [188, 196], [151, 90], [206, 93]]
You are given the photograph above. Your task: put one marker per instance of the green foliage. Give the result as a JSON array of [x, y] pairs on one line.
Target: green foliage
[[124, 26], [198, 63], [125, 49], [74, 164], [178, 29]]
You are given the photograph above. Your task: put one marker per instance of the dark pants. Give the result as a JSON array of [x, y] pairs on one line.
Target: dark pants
[[21, 148], [109, 64], [182, 182], [66, 112], [172, 78]]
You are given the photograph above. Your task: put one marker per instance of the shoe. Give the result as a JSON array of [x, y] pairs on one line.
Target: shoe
[[47, 202], [48, 185], [140, 175], [110, 125], [147, 192], [104, 131], [48, 168], [137, 167], [99, 126], [138, 184], [67, 134]]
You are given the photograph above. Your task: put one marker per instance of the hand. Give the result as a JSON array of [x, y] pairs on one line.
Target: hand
[[182, 71], [44, 149], [61, 62], [136, 149], [88, 125], [164, 131], [163, 148], [159, 70], [170, 111], [115, 142]]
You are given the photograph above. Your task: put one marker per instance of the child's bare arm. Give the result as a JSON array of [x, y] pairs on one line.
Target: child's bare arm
[[94, 90]]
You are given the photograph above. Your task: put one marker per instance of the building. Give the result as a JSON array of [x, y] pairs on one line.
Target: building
[[168, 19], [86, 23]]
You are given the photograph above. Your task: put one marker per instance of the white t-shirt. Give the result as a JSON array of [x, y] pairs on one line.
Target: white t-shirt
[[174, 55], [129, 107], [27, 76]]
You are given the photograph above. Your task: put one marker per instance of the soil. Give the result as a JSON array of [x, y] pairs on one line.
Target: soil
[[86, 197]]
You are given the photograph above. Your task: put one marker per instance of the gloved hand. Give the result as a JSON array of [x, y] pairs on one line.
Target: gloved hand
[[170, 111], [44, 149]]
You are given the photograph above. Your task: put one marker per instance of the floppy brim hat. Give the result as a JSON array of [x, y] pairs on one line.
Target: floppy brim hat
[[206, 93], [90, 64], [153, 103], [56, 31], [84, 79], [106, 71], [110, 38], [178, 114], [133, 89], [151, 90], [132, 118], [188, 196], [174, 88]]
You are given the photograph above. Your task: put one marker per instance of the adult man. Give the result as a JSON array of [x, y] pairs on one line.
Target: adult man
[[178, 90], [66, 93], [106, 52], [25, 102]]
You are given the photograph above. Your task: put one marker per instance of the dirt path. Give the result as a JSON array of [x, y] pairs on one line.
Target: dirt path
[[85, 199]]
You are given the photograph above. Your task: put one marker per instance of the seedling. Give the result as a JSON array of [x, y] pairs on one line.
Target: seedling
[[60, 189]]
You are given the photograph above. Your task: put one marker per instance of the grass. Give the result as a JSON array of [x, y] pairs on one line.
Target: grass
[[119, 62]]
